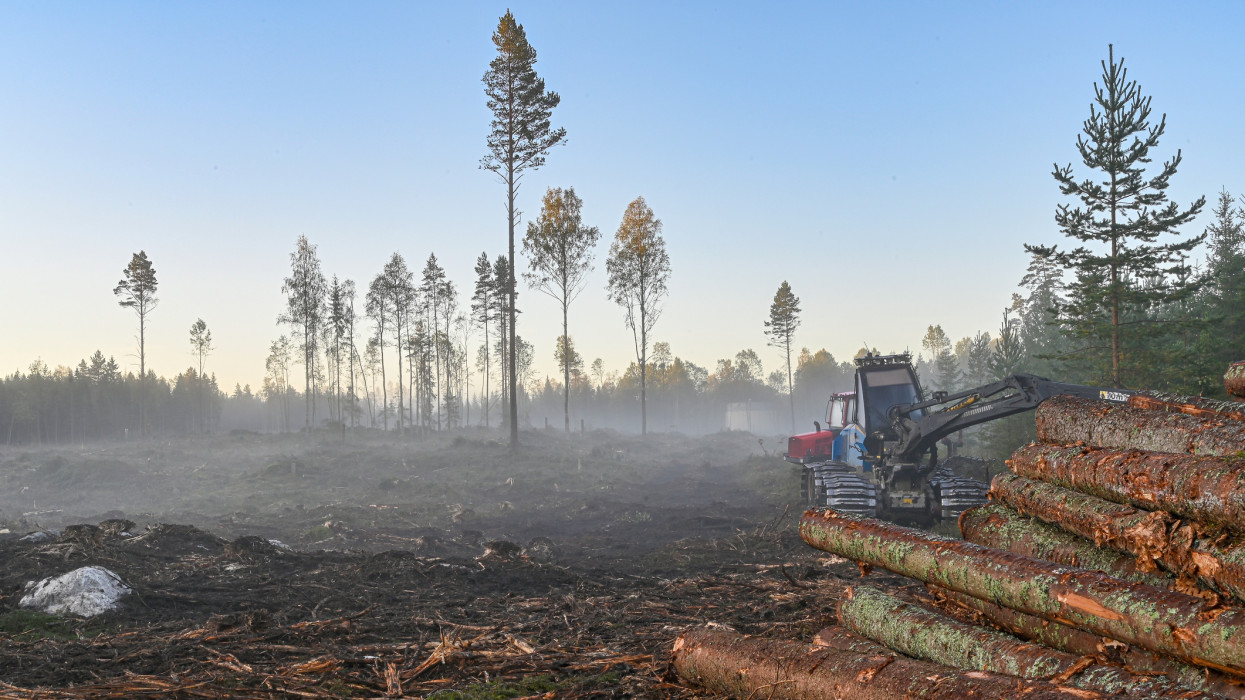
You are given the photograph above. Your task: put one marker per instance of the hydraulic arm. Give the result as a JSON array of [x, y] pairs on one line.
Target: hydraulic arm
[[1014, 394]]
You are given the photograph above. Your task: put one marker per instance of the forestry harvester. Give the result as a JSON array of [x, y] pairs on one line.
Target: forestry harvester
[[878, 454]]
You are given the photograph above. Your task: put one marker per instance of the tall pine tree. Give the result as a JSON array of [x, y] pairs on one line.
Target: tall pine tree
[[1122, 273], [520, 138], [784, 318]]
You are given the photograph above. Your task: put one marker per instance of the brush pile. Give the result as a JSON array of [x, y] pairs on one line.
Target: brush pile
[[1109, 563]]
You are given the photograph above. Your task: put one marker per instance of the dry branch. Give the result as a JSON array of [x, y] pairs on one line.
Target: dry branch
[[999, 526], [925, 634], [1082, 643], [752, 667], [1159, 620], [1209, 490], [1234, 380], [1070, 420], [1151, 537]]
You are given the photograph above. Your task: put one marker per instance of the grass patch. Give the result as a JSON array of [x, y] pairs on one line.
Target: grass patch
[[29, 626]]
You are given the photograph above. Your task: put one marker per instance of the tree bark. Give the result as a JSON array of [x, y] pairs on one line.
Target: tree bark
[[931, 636], [1234, 380], [1179, 625], [1067, 420], [1081, 643], [998, 526], [1209, 490], [1199, 406], [750, 667], [1151, 537]]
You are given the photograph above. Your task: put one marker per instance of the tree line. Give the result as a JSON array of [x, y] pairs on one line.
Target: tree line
[[1122, 305]]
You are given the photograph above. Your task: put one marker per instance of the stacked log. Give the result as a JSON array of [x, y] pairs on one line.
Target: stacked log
[[752, 667], [1234, 381], [1110, 562], [1068, 420], [1151, 493]]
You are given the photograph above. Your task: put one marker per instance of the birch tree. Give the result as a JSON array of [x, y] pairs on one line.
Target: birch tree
[[559, 250], [639, 268]]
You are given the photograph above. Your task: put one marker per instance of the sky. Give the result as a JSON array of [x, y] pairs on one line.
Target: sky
[[888, 160]]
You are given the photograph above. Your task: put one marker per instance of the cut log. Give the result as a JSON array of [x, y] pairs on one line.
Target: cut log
[[751, 667], [1171, 623], [1068, 420], [1234, 380], [1151, 537], [1081, 643], [1002, 527], [931, 636], [1209, 490], [1192, 405]]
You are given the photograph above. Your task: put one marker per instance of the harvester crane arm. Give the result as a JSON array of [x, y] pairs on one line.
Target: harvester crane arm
[[1013, 394]]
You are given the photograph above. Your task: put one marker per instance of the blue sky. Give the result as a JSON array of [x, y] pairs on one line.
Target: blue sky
[[887, 159]]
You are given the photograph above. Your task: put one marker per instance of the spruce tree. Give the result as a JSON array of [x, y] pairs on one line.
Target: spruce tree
[[1121, 271]]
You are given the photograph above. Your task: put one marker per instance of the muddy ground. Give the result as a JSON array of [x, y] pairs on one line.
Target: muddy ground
[[439, 567]]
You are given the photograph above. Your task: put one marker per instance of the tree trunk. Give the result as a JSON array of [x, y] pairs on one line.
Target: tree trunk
[[566, 370], [1066, 420], [1234, 380], [1210, 490], [930, 636], [510, 312], [1000, 527], [1193, 405], [1190, 630], [769, 669], [1081, 643], [1151, 537]]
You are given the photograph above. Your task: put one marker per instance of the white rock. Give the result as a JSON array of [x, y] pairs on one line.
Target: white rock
[[85, 592]]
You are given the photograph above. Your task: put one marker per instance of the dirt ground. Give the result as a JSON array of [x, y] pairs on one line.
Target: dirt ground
[[437, 567]]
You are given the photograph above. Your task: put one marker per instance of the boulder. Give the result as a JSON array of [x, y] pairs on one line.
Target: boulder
[[85, 592]]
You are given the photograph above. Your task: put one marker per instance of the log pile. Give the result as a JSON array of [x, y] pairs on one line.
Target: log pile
[[1109, 563], [1234, 381]]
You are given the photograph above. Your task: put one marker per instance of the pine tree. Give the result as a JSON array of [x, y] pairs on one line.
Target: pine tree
[[520, 139], [1125, 273], [305, 313], [376, 306], [200, 341], [137, 290], [482, 312], [784, 318]]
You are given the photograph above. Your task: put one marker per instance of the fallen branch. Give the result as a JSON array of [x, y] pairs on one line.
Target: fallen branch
[[752, 667], [1209, 490], [1070, 420], [1151, 537], [1002, 527], [1159, 620]]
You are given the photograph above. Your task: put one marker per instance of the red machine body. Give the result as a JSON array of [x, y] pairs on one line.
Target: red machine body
[[811, 447]]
